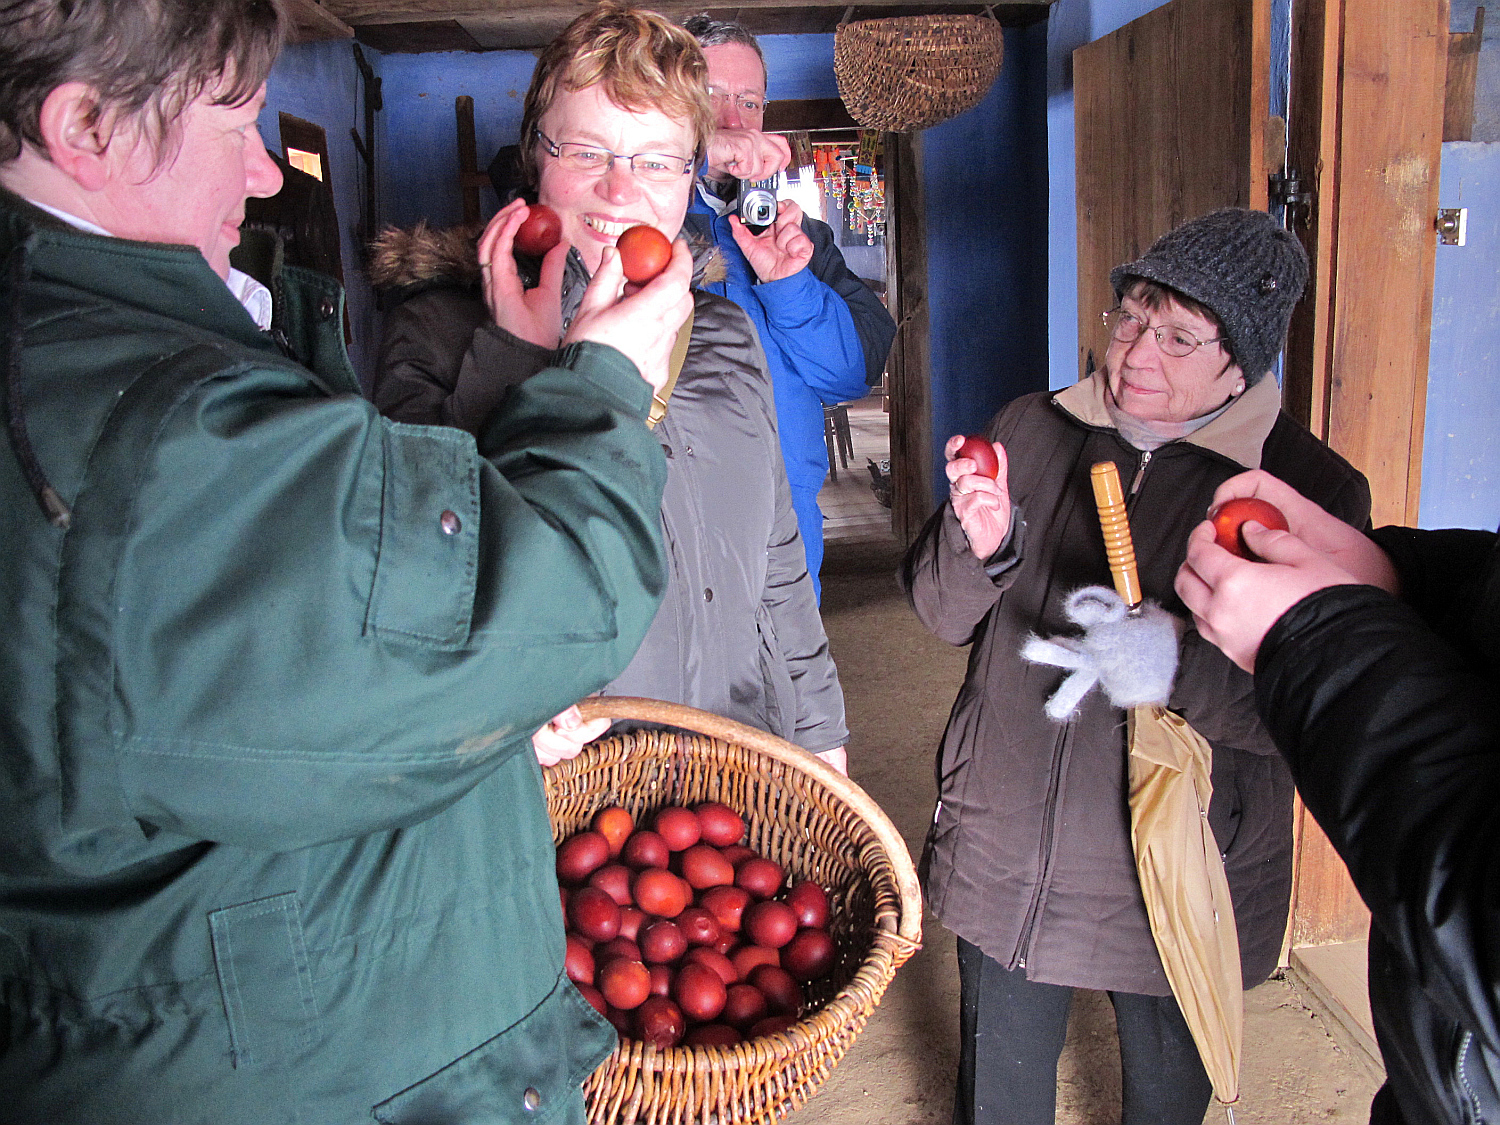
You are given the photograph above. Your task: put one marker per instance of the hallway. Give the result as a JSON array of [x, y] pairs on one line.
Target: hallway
[[899, 682]]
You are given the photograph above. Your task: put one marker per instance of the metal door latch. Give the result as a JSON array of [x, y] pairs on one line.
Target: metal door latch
[[1453, 225]]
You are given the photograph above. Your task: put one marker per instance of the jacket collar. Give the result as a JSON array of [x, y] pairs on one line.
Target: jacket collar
[[155, 277], [1239, 433]]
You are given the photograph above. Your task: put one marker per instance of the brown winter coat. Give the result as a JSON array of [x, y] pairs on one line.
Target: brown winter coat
[[738, 632], [1029, 854]]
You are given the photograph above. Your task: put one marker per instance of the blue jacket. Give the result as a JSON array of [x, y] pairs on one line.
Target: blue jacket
[[826, 336]]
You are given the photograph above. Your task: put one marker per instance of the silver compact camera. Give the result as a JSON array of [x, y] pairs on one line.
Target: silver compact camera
[[757, 206]]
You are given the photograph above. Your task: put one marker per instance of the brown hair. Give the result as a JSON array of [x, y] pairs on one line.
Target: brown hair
[[643, 61], [1153, 295], [144, 58]]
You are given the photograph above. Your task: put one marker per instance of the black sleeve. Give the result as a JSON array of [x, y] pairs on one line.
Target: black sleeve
[[872, 323]]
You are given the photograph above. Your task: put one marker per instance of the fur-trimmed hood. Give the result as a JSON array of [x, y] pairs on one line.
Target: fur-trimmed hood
[[425, 256]]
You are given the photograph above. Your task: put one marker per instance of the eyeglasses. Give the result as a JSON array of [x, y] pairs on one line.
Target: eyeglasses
[[592, 160], [748, 103], [1126, 327]]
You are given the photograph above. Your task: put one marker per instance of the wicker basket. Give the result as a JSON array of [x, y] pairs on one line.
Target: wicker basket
[[909, 72], [808, 818]]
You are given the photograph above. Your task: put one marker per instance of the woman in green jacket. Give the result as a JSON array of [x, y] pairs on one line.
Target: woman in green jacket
[[273, 845]]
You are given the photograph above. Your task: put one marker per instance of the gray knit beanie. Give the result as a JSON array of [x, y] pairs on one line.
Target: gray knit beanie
[[1241, 265]]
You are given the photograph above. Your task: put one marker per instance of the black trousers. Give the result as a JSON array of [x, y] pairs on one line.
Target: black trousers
[[1012, 1032]]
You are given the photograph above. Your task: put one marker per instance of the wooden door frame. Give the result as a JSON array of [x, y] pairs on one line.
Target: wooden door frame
[[1365, 131]]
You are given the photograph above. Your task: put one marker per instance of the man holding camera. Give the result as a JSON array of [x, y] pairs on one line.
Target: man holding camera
[[826, 334]]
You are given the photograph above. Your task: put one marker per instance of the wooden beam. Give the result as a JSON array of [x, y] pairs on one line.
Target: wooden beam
[[806, 115], [1463, 69], [312, 23], [910, 363], [358, 12]]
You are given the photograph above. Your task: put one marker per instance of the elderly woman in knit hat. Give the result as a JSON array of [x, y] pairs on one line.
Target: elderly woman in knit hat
[[1028, 860]]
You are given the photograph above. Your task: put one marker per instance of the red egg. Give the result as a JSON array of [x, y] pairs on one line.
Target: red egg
[[578, 962], [594, 914], [614, 880], [594, 997], [747, 958], [699, 927], [661, 980], [699, 992], [660, 1022], [809, 902], [625, 984], [615, 824], [809, 955], [579, 856], [662, 942], [710, 959], [678, 827], [721, 825], [644, 252], [736, 854], [759, 876], [539, 232], [704, 867], [621, 1020], [744, 1004], [981, 451], [616, 947], [631, 920], [726, 904], [782, 992], [771, 924], [645, 849], [661, 893], [1228, 517]]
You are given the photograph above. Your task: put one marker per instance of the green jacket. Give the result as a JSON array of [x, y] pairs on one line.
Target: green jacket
[[273, 846]]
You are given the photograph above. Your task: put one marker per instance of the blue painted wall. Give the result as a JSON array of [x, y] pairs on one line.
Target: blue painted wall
[[319, 82], [985, 183], [419, 132], [1461, 445]]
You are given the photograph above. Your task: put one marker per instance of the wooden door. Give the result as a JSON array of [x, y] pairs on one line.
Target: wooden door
[[1170, 116]]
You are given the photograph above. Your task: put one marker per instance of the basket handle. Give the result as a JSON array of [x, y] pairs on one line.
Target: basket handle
[[727, 730]]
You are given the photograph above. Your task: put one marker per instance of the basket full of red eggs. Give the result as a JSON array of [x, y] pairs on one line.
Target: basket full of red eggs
[[735, 907]]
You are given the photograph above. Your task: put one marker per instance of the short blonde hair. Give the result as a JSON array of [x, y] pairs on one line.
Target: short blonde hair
[[643, 61]]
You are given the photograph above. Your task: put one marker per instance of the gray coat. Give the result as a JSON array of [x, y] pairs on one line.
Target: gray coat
[[1029, 855], [738, 632]]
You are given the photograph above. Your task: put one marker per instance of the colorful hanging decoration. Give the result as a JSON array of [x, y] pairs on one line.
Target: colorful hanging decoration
[[851, 178]]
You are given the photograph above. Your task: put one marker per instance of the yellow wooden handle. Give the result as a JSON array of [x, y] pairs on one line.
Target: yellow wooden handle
[[1109, 498]]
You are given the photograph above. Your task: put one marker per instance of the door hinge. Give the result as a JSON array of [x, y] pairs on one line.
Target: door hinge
[[1290, 191]]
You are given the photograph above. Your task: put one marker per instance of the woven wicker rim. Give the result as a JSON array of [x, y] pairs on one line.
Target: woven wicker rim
[[764, 1078], [909, 72]]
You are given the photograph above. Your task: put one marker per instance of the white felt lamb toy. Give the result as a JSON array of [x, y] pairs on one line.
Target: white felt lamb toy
[[1132, 655]]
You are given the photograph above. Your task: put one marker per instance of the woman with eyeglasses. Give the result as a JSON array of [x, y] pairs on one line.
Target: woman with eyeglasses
[[1029, 857], [614, 124]]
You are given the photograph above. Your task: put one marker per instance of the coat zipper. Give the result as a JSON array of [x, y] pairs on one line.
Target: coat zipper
[[1140, 471], [1023, 947]]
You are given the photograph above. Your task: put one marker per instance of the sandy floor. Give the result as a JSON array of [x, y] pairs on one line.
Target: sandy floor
[[900, 682]]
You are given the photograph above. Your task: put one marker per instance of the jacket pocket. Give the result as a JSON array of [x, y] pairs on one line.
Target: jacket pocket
[[427, 567], [264, 979], [530, 1072]]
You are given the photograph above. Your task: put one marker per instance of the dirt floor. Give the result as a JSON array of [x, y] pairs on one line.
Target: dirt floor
[[899, 682]]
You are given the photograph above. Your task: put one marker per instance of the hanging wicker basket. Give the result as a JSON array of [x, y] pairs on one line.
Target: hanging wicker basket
[[804, 815], [909, 72]]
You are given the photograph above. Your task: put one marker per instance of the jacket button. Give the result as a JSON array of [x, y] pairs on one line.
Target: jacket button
[[450, 522], [708, 593], [325, 307], [531, 1099]]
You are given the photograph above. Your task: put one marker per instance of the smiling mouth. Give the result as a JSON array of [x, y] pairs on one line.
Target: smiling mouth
[[605, 227]]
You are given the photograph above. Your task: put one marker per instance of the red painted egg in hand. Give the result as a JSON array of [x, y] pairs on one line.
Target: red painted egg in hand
[[982, 452], [644, 252], [1232, 513], [540, 232]]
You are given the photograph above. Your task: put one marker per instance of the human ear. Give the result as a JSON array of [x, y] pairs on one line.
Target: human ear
[[76, 135]]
